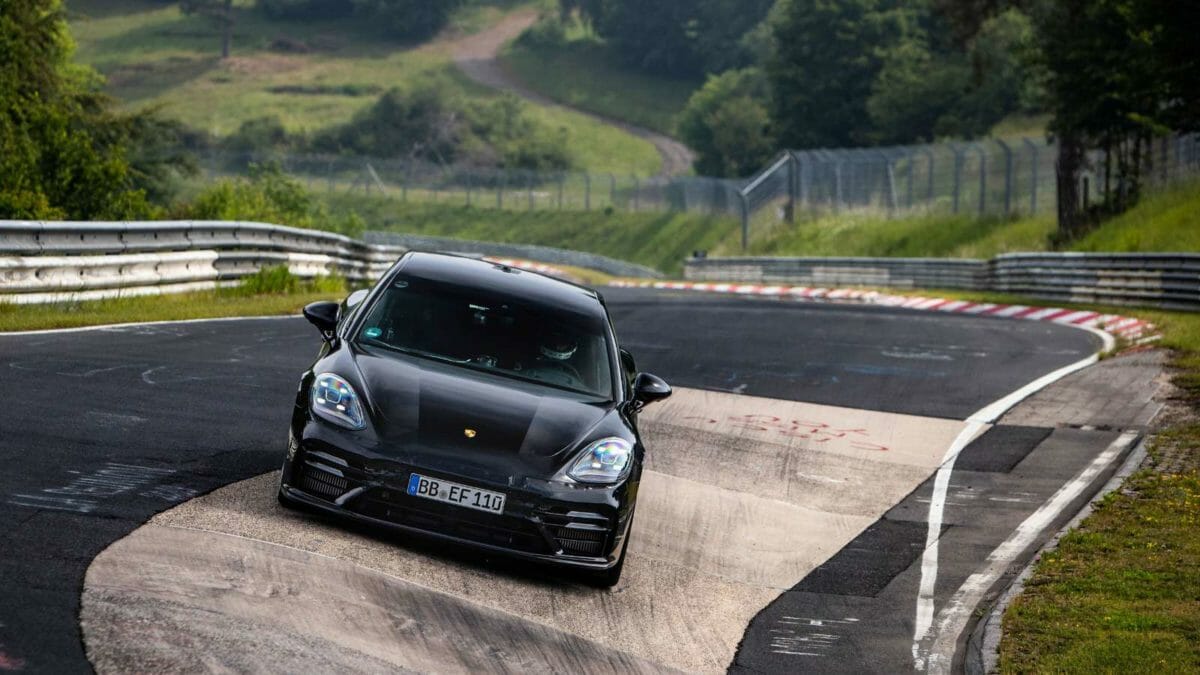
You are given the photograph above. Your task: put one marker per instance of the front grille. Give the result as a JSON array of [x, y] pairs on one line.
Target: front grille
[[319, 482], [496, 530], [580, 533]]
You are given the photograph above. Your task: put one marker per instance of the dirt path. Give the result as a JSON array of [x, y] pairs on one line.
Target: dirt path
[[476, 55]]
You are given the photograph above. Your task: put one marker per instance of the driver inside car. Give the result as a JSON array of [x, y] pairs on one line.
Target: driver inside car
[[553, 361]]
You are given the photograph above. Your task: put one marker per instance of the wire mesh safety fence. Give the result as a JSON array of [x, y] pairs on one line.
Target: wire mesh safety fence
[[511, 189], [994, 177]]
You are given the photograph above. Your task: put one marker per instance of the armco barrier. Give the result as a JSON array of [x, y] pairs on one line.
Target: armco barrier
[[558, 256], [893, 272], [1165, 280], [53, 261]]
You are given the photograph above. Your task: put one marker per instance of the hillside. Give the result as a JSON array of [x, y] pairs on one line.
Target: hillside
[[312, 75]]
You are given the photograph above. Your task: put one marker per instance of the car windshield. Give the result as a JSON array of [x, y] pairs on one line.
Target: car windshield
[[472, 328]]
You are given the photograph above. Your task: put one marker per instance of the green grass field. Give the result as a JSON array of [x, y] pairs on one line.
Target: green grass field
[[153, 55], [584, 73], [1165, 220], [658, 240]]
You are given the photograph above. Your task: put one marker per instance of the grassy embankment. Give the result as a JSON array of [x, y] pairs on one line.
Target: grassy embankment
[[585, 73], [1121, 593], [312, 75]]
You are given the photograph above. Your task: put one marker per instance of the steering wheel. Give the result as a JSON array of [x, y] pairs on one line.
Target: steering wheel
[[486, 360], [565, 368]]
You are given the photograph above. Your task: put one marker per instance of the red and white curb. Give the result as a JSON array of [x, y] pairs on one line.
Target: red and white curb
[[1127, 328]]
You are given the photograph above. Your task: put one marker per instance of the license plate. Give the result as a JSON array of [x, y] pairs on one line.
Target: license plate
[[455, 493]]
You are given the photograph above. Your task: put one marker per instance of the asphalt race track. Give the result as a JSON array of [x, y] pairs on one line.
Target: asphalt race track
[[803, 438]]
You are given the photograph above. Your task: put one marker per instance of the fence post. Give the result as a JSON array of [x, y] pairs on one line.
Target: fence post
[[745, 209], [1034, 163], [982, 179], [837, 186], [805, 177], [958, 162], [793, 188], [1008, 175], [587, 192], [1166, 157], [929, 190], [912, 156]]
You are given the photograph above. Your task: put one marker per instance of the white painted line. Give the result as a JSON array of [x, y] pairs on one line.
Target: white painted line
[[937, 505], [110, 326], [954, 617]]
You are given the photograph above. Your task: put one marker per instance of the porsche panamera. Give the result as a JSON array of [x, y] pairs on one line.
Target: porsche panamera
[[476, 403]]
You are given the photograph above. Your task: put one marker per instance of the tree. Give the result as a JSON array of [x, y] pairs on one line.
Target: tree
[[220, 12], [1104, 88], [682, 38], [63, 153], [828, 53], [727, 124], [408, 19]]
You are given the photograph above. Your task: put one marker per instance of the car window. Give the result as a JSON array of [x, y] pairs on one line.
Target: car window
[[475, 329]]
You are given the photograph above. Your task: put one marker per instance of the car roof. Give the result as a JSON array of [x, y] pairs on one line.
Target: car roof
[[501, 279]]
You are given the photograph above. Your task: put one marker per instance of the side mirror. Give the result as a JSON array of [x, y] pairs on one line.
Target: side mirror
[[649, 388], [324, 316]]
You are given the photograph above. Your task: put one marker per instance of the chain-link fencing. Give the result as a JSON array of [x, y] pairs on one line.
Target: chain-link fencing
[[997, 177], [512, 189], [991, 177]]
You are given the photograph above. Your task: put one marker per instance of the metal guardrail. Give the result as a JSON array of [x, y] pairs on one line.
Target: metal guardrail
[[557, 256], [1164, 280], [893, 272], [55, 261]]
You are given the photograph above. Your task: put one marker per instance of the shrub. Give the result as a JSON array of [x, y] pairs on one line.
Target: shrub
[[727, 124], [262, 135], [269, 196]]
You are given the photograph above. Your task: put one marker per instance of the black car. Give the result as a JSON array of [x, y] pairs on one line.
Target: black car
[[477, 403]]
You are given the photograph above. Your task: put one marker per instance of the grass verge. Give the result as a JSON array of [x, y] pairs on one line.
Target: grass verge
[[1167, 219], [271, 292], [1121, 593]]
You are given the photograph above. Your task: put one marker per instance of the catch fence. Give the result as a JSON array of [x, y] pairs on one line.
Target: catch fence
[[997, 177], [509, 189]]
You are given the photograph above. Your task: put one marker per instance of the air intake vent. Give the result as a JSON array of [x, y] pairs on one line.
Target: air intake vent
[[579, 533], [322, 483]]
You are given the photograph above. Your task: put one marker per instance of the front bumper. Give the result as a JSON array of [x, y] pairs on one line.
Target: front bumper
[[566, 526]]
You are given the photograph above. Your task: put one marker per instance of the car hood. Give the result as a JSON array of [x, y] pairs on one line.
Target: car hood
[[451, 418]]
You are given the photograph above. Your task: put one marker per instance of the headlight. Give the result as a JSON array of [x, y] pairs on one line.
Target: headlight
[[605, 461], [334, 399]]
